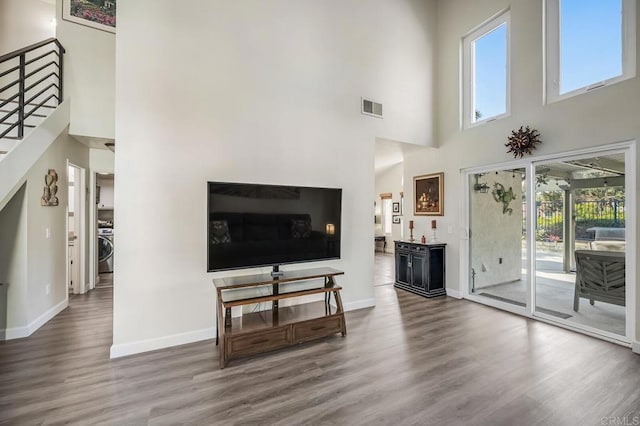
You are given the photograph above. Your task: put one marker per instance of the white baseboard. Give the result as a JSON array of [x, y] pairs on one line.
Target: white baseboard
[[454, 293], [635, 347], [132, 348], [20, 332], [14, 333], [47, 316], [359, 304]]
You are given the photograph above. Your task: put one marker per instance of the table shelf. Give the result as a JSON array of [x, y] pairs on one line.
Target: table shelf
[[278, 327]]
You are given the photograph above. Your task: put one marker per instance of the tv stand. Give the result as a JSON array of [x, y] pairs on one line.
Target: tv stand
[[278, 327]]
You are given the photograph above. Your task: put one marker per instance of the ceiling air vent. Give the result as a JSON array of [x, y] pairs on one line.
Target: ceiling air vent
[[371, 108]]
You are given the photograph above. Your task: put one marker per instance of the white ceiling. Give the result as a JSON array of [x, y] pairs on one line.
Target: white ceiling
[[92, 142], [389, 153]]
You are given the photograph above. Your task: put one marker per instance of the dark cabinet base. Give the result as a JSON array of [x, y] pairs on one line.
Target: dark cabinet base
[[421, 292], [420, 268]]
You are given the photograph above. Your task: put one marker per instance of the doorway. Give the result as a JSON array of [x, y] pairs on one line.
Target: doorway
[[76, 228], [580, 241], [105, 229], [548, 239]]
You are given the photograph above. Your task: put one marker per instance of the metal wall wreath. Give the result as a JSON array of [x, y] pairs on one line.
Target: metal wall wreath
[[523, 141]]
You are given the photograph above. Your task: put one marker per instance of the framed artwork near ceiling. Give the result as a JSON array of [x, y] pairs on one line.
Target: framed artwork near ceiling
[[98, 14]]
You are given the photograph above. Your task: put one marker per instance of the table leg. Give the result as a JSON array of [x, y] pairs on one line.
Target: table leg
[[220, 331], [341, 310]]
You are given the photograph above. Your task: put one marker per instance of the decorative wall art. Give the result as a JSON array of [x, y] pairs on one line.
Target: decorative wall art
[[99, 14], [504, 196], [523, 141], [396, 219], [50, 189], [428, 191], [396, 207]]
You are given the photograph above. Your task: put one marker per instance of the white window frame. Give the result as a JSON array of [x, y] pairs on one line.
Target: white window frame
[[468, 69], [552, 31], [387, 216]]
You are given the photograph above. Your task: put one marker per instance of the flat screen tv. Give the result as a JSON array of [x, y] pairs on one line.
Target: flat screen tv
[[251, 225]]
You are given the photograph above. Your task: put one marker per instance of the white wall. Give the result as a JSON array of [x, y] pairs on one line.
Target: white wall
[[47, 256], [250, 92], [389, 181], [13, 264], [42, 258], [602, 116], [25, 22], [101, 160], [89, 77]]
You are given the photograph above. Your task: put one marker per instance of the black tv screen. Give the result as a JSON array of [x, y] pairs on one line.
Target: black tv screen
[[253, 225]]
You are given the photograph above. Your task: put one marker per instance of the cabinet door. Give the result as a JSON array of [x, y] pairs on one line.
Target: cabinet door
[[402, 267], [419, 271], [436, 269]]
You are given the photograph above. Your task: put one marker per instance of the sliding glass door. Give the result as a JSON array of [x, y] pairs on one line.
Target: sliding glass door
[[549, 239], [580, 241]]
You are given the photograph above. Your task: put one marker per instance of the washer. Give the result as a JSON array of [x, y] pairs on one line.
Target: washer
[[105, 250]]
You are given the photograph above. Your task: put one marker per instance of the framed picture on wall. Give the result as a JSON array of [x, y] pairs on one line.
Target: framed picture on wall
[[396, 219], [396, 207], [428, 191], [98, 14]]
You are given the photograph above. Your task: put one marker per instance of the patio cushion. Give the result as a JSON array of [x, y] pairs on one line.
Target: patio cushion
[[600, 275]]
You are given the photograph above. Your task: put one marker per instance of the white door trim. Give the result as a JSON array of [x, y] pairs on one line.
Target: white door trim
[[80, 201]]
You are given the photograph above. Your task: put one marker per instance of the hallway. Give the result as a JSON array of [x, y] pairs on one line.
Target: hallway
[[384, 269]]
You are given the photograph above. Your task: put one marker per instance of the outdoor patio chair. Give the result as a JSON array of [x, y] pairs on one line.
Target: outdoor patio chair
[[600, 275]]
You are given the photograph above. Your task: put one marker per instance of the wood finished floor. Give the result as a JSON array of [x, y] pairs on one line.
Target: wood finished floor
[[384, 269], [409, 361]]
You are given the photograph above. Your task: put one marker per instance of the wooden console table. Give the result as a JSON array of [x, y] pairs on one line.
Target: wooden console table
[[277, 327]]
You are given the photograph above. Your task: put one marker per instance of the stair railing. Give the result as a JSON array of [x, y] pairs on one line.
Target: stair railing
[[30, 78]]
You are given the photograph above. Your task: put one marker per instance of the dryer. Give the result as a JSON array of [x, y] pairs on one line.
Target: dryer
[[105, 250]]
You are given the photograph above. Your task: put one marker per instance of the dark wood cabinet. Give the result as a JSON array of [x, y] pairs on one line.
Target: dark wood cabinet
[[420, 268]]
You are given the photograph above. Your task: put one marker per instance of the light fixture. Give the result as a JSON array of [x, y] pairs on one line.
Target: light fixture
[[331, 229], [480, 187]]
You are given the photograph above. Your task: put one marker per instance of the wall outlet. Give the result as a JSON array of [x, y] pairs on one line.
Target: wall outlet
[[47, 233], [450, 229], [500, 261], [47, 289]]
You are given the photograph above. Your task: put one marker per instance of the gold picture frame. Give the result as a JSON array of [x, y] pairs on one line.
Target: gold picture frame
[[428, 191]]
